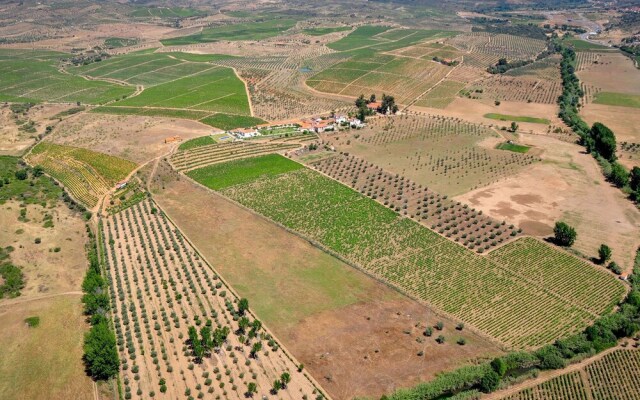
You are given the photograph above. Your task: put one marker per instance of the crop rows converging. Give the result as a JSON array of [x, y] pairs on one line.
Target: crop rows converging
[[181, 332], [203, 156], [405, 78], [440, 152], [88, 175], [499, 302], [614, 376], [452, 219], [498, 46]]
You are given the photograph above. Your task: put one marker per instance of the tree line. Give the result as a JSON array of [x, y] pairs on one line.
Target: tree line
[[598, 139], [100, 352]]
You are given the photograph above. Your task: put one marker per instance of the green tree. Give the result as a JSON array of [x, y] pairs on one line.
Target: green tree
[[514, 126], [619, 175], [243, 324], [361, 102], [252, 388], [257, 346], [564, 234], [499, 366], [604, 252], [243, 306], [634, 181], [100, 352], [21, 174], [277, 385], [285, 378], [490, 382], [604, 141]]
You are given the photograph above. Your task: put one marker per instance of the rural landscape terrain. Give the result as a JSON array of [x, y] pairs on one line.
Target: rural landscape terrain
[[383, 199]]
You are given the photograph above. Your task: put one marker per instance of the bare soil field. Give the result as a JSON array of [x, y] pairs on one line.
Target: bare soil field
[[356, 336], [568, 186], [44, 362], [136, 138]]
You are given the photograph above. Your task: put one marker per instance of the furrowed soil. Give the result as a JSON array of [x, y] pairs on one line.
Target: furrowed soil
[[567, 185], [356, 336]]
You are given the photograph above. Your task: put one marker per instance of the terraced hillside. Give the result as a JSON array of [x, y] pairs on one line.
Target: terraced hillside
[[88, 175]]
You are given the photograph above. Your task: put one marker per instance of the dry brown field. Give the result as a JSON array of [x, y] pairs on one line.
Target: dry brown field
[[356, 336], [567, 185], [135, 138], [44, 362], [614, 72]]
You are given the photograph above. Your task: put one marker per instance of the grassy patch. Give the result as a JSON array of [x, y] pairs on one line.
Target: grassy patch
[[617, 99], [12, 281], [325, 31], [582, 45], [244, 31], [517, 118], [152, 112], [32, 322], [516, 148], [119, 42], [226, 122], [196, 142], [220, 176]]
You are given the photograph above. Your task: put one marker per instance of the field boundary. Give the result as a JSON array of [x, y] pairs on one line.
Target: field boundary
[[435, 310], [230, 288]]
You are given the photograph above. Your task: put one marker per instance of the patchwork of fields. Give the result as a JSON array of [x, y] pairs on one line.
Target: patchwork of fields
[[244, 31], [177, 85], [32, 76], [516, 310], [88, 175]]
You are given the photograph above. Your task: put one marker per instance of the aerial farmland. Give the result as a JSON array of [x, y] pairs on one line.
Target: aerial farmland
[[291, 200]]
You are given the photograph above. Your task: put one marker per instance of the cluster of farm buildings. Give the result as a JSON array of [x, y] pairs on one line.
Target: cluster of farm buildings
[[317, 125]]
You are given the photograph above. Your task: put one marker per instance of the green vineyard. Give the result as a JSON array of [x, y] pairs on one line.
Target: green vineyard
[[502, 303]]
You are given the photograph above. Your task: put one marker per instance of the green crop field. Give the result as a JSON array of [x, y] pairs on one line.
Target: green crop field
[[33, 76], [177, 85], [220, 176], [517, 307], [516, 148], [361, 37], [244, 31], [196, 142], [325, 31], [517, 118], [582, 45], [617, 99], [86, 174]]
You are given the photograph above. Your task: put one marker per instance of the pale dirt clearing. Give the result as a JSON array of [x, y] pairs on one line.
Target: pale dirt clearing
[[19, 130], [567, 185], [474, 110], [135, 138], [347, 329]]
